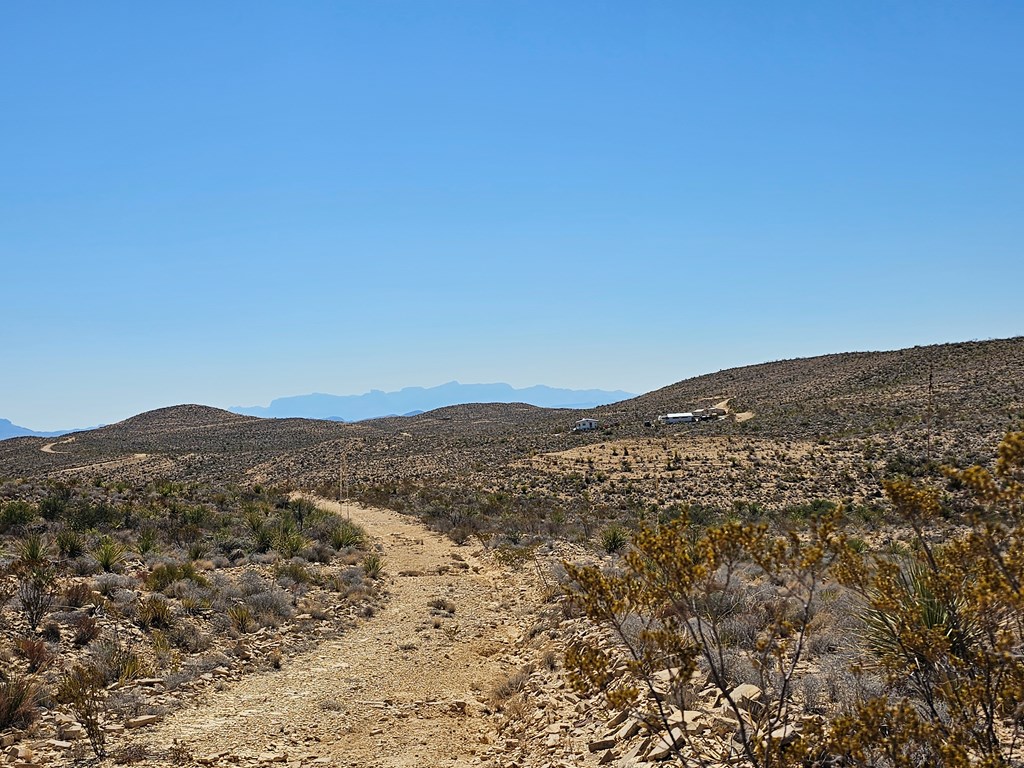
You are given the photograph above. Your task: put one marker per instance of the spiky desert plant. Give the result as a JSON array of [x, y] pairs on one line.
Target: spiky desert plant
[[18, 703], [373, 565], [347, 534], [69, 543], [109, 554], [614, 539]]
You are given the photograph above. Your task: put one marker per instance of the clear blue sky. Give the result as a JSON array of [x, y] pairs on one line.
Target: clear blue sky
[[228, 202]]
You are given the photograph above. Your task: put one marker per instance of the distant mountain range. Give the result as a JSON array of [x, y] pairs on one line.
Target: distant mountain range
[[413, 400], [7, 429]]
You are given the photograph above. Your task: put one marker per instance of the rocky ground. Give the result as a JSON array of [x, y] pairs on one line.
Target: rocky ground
[[460, 665]]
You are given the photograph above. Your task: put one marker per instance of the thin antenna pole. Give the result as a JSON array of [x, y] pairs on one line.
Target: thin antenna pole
[[931, 407]]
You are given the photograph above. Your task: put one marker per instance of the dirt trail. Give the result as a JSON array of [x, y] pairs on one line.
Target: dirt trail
[[393, 692], [48, 448]]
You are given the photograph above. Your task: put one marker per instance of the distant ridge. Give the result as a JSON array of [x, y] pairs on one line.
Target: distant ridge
[[8, 430], [411, 400]]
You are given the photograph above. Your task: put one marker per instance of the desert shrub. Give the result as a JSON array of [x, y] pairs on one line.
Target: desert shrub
[[932, 676], [147, 541], [108, 584], [129, 754], [614, 539], [117, 663], [86, 629], [50, 632], [18, 703], [8, 586], [509, 686], [165, 574], [70, 543], [156, 612], [109, 554], [288, 541], [942, 624], [189, 637], [293, 571], [77, 594], [81, 690], [347, 534], [242, 618], [373, 565], [36, 591], [33, 553], [270, 606], [15, 514], [54, 504], [668, 605], [441, 606], [84, 515], [261, 533], [35, 653]]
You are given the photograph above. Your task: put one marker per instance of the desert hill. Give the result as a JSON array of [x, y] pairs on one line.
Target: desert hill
[[816, 428], [858, 393]]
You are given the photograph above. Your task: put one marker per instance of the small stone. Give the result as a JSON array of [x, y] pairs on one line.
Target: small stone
[[142, 720], [601, 745], [746, 695], [664, 746], [73, 731]]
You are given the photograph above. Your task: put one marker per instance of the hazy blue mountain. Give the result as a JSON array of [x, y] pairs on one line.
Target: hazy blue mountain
[[7, 429], [411, 400]]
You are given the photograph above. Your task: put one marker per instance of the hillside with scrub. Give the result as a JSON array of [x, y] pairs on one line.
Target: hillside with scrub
[[782, 586]]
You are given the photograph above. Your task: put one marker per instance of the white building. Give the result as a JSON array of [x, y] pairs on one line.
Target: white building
[[585, 425]]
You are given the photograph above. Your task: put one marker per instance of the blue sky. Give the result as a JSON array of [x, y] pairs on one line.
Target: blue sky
[[228, 202]]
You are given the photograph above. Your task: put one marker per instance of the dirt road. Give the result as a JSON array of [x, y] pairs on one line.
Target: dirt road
[[395, 692]]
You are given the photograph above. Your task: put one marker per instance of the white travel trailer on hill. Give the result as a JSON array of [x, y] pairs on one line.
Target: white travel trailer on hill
[[676, 418]]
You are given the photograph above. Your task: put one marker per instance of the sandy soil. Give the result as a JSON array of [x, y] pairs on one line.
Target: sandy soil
[[394, 692]]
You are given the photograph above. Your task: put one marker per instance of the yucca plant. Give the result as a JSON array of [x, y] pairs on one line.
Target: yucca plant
[[347, 534], [33, 552], [70, 543], [910, 625], [109, 554], [146, 542], [289, 542], [242, 618], [373, 565], [614, 539], [155, 611]]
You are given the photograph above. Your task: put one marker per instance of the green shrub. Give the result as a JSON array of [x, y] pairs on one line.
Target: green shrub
[[373, 565], [70, 544], [347, 534], [155, 612], [614, 539], [147, 541], [109, 554], [15, 514], [289, 542]]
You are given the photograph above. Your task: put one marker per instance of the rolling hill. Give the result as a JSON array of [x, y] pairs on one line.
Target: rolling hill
[[822, 426]]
